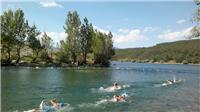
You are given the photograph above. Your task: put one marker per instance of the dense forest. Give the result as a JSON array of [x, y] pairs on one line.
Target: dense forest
[[24, 44], [185, 51]]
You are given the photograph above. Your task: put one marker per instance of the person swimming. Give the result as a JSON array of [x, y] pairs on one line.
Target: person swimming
[[116, 86], [169, 81], [54, 103], [119, 97]]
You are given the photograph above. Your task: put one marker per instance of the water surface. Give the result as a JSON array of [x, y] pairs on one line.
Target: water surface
[[23, 88]]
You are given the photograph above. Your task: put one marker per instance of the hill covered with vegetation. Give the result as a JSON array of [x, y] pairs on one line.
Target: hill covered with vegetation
[[185, 51]]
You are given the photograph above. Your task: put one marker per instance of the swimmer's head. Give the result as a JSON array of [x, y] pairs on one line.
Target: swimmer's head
[[116, 96], [53, 101], [115, 84]]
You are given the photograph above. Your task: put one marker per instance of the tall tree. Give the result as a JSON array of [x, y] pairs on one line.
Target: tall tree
[[20, 29], [63, 53], [98, 45], [86, 38], [72, 28], [110, 47], [102, 48], [33, 42], [7, 34], [47, 44]]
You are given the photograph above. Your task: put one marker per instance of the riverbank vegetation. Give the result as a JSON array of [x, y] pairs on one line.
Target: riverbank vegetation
[[186, 51], [25, 44]]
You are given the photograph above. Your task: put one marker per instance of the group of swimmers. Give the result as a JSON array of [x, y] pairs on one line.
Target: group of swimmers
[[116, 86], [118, 98], [55, 105]]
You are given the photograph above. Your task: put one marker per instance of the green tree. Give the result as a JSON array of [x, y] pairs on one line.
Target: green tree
[[13, 32], [110, 48], [102, 48], [97, 47], [33, 42], [63, 53], [72, 28], [7, 34], [86, 38], [20, 30], [47, 44]]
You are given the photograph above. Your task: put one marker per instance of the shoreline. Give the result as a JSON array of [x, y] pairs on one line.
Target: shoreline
[[86, 65], [50, 65], [176, 63], [167, 63]]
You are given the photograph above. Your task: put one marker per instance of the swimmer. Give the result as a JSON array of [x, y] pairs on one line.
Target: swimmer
[[54, 103], [116, 86], [119, 98], [169, 81]]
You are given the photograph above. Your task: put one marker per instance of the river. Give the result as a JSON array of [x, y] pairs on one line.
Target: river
[[23, 88]]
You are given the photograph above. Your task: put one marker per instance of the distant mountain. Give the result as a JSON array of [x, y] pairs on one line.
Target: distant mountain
[[185, 51]]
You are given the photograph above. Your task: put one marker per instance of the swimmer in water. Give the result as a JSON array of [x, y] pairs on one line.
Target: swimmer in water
[[116, 85], [169, 81], [54, 103], [119, 97]]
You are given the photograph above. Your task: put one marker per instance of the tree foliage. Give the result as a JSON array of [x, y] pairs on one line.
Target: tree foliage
[[83, 39], [72, 28], [33, 42], [86, 38], [47, 44], [7, 34], [13, 31], [102, 48], [63, 53], [20, 29], [83, 43], [195, 31]]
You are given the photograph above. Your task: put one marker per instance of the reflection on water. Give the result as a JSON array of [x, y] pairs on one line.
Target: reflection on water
[[23, 88]]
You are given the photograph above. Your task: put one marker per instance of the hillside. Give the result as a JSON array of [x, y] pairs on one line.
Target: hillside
[[185, 51]]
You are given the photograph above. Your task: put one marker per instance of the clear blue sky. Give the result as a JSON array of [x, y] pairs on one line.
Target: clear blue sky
[[133, 24]]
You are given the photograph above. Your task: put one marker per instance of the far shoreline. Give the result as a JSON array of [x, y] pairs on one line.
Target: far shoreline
[[50, 65], [165, 63], [63, 65]]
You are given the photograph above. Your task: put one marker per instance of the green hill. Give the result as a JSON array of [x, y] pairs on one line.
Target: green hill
[[185, 51]]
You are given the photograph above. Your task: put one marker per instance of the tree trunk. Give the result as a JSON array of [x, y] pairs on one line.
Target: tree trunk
[[36, 55], [51, 54], [74, 58], [8, 60], [84, 57], [47, 54], [8, 56], [18, 55]]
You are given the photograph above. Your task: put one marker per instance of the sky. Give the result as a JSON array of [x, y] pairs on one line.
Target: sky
[[133, 23]]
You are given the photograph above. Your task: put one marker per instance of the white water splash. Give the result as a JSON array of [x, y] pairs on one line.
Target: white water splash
[[112, 88], [44, 106], [112, 100]]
